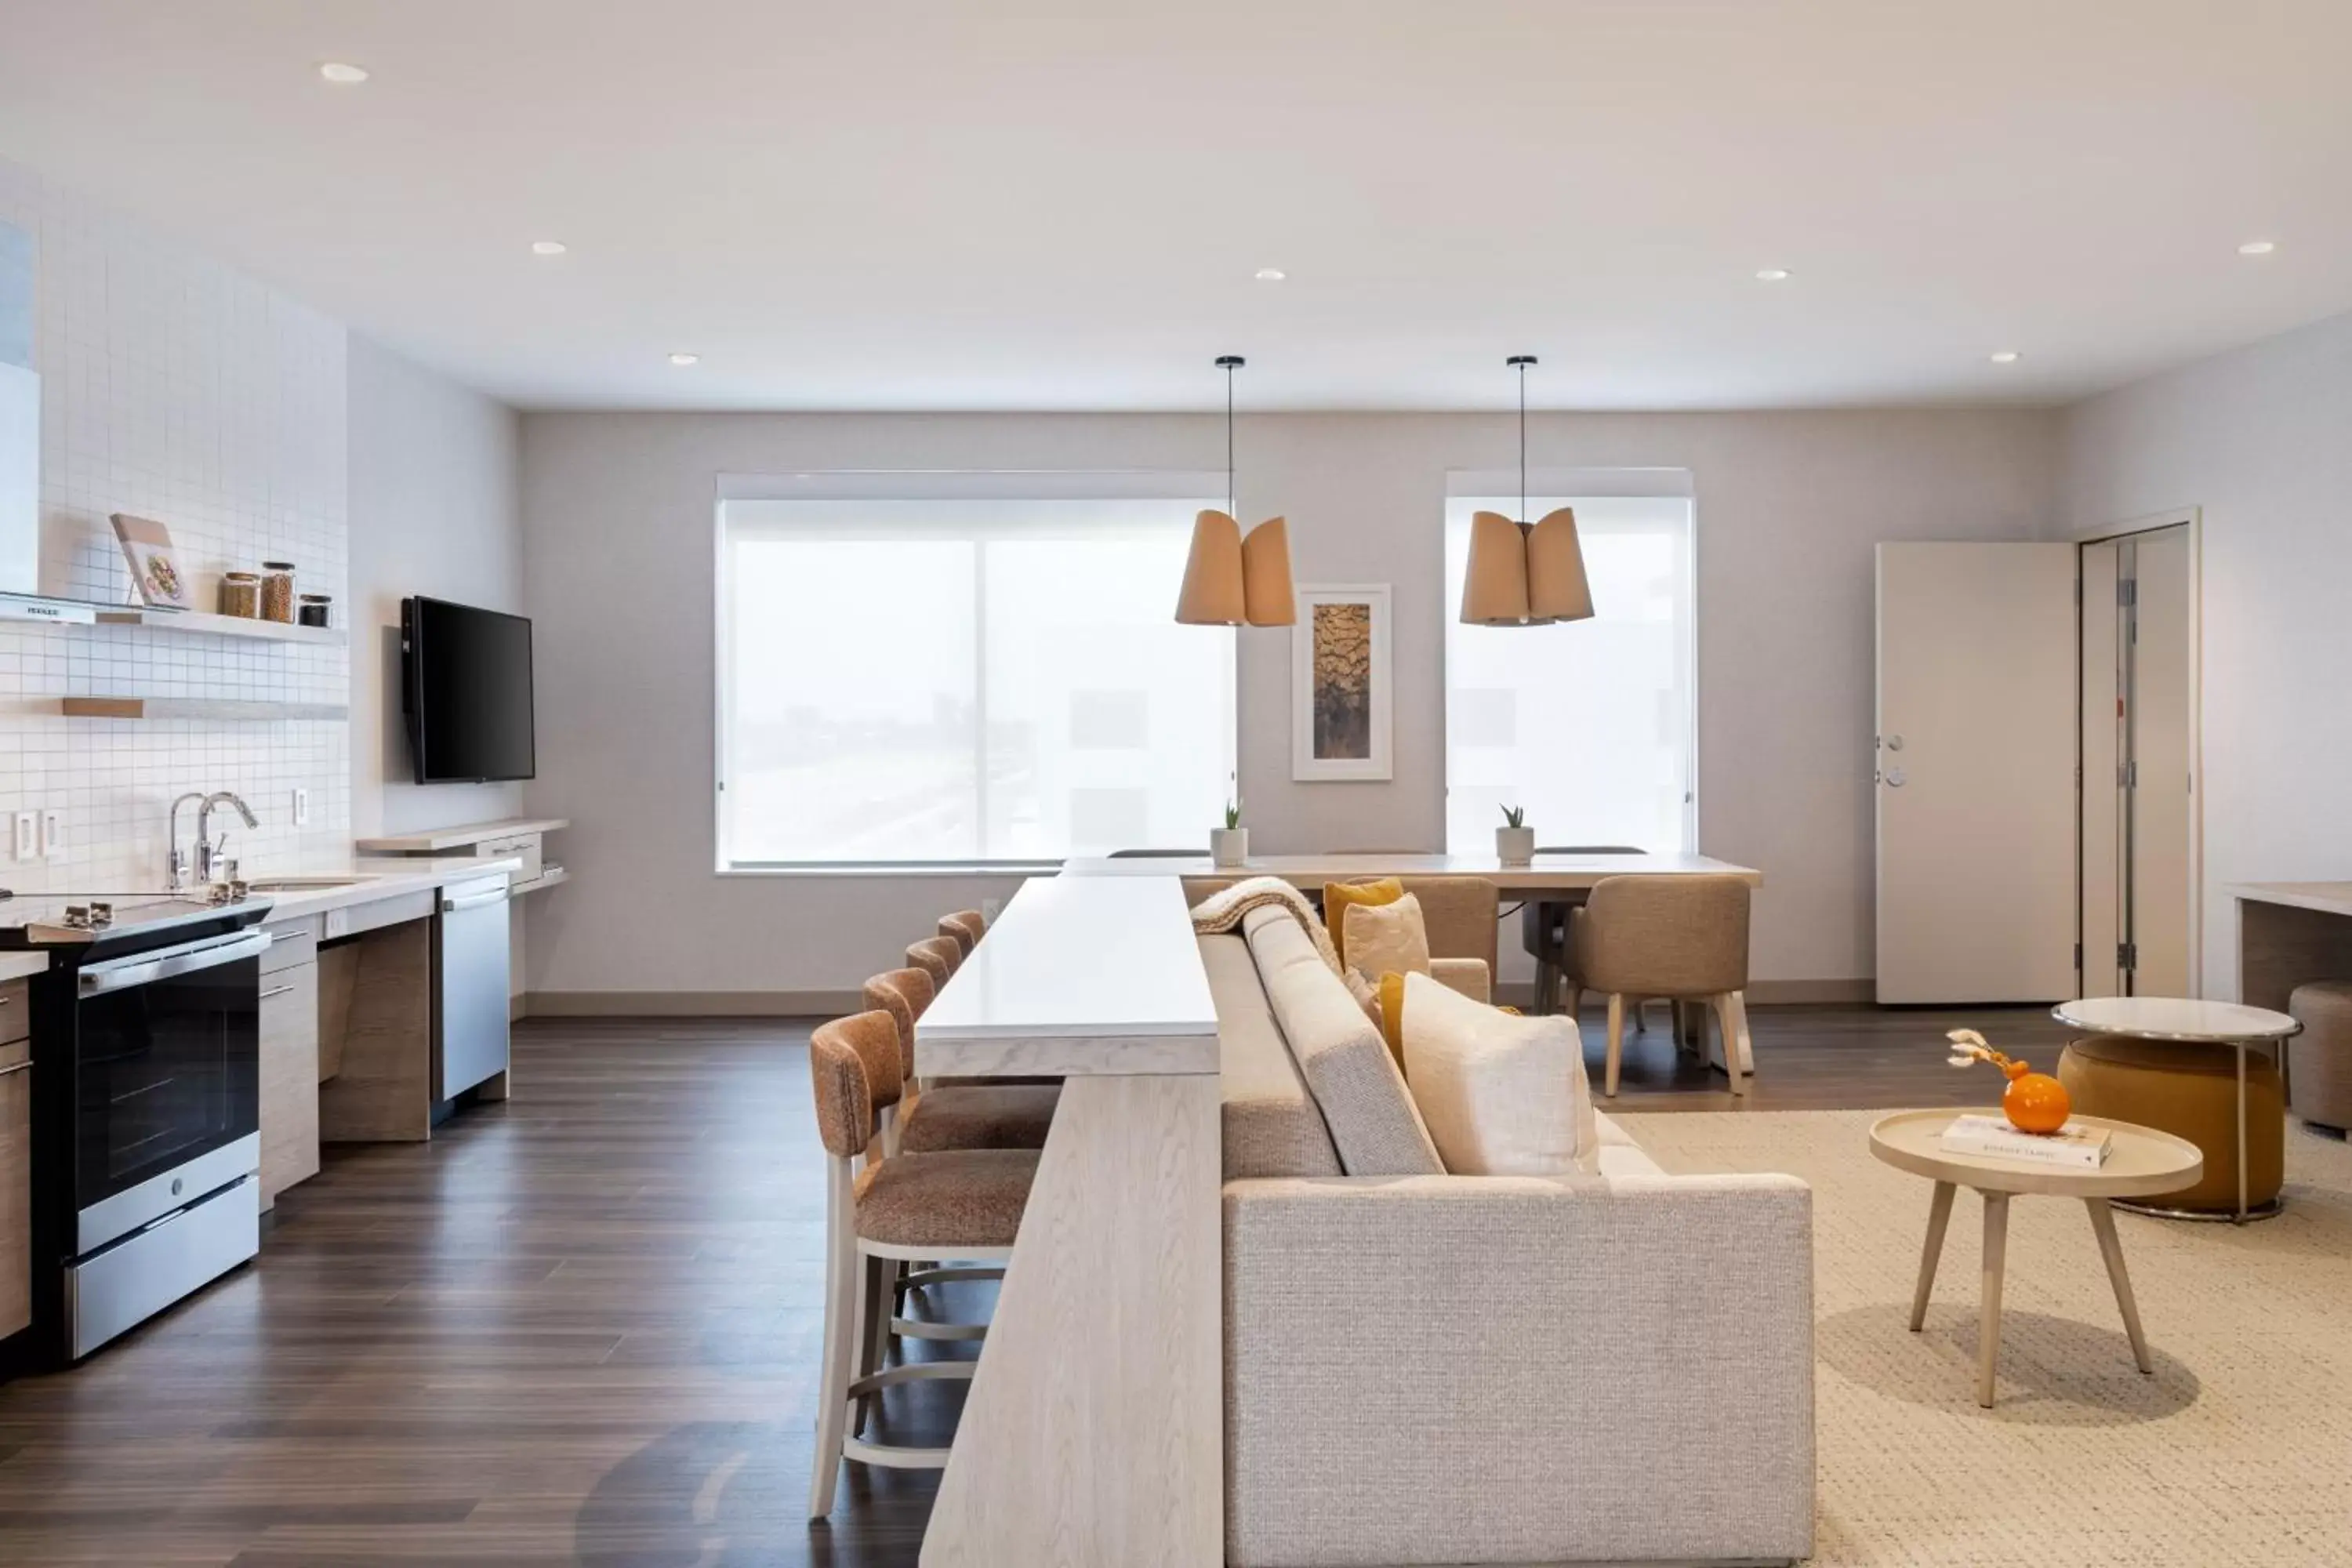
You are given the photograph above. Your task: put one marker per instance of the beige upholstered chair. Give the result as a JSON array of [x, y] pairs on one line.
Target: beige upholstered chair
[[1683, 938], [937, 956], [1543, 930], [1457, 915], [965, 928], [952, 1116], [880, 1215]]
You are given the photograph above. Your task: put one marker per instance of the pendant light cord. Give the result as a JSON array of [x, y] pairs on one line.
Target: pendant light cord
[[1233, 501], [1523, 442]]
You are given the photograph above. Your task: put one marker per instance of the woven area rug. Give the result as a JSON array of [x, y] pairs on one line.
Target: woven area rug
[[2237, 1450]]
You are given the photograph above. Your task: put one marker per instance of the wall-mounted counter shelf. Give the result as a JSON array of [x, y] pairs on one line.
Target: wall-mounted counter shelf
[[547, 878], [198, 708], [441, 839], [186, 621]]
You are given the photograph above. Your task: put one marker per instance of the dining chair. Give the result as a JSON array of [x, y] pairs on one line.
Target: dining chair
[[1543, 931], [937, 956], [1683, 938], [964, 1206], [941, 1117], [965, 928]]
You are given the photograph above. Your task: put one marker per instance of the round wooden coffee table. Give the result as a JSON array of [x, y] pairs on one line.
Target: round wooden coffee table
[[2139, 1161]]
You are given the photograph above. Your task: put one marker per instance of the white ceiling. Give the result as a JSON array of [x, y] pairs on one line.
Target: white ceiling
[[928, 204]]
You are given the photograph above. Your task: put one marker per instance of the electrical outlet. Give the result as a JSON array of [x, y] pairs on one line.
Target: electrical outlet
[[53, 834], [27, 841], [302, 808]]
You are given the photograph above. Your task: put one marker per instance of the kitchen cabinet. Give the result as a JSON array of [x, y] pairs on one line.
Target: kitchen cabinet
[[16, 1183], [290, 1059]]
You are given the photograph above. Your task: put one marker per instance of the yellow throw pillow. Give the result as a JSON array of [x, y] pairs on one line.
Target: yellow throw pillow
[[1338, 896], [1382, 937], [1392, 1014]]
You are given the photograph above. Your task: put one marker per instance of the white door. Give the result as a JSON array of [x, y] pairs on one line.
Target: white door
[[1976, 744], [2162, 763]]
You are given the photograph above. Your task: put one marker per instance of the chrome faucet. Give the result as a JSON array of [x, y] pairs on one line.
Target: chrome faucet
[[207, 852], [175, 865]]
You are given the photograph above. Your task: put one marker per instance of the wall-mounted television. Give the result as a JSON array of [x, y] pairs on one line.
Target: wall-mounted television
[[466, 689]]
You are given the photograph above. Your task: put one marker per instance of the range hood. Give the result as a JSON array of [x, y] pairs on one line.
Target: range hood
[[20, 445]]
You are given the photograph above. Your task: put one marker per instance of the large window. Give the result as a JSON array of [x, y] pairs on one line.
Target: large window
[[963, 682], [1587, 724]]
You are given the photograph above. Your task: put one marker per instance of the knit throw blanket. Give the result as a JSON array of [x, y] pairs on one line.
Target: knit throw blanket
[[1223, 911]]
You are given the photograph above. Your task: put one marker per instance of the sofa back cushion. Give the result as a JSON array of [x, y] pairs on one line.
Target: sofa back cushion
[[1339, 1052], [1270, 1124]]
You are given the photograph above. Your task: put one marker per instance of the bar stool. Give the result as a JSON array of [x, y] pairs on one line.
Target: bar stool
[[937, 956], [964, 1205], [965, 928], [952, 1116]]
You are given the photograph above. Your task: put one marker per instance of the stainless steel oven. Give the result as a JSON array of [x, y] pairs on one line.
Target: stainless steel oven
[[160, 1113]]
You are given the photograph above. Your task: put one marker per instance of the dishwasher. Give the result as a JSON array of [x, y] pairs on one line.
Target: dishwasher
[[471, 950]]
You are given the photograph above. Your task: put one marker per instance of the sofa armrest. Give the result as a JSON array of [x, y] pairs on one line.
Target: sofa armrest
[[1468, 1368], [1467, 975]]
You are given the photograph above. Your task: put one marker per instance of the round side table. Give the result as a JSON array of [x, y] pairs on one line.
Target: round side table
[[2192, 1023], [2140, 1160]]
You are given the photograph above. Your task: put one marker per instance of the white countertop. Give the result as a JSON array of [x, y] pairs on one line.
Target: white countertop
[[1549, 872], [371, 879], [1086, 973], [17, 966], [2327, 898]]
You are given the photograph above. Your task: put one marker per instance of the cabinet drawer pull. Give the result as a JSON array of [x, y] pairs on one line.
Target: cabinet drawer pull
[[277, 991]]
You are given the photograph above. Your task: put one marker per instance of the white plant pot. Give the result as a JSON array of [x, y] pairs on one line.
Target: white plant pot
[[1515, 845], [1229, 846]]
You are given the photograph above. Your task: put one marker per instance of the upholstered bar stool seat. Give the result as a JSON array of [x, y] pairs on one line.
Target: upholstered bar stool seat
[[979, 1116], [965, 928], [2189, 1090], [961, 1199], [2319, 1060]]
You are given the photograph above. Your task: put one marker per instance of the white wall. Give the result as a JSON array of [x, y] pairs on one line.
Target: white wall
[[176, 388], [434, 497], [617, 517], [2261, 440]]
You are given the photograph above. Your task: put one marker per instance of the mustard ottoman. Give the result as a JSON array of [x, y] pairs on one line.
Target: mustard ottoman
[[2319, 1069], [2191, 1092]]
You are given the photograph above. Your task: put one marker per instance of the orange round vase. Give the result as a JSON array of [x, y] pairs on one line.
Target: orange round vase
[[2034, 1101]]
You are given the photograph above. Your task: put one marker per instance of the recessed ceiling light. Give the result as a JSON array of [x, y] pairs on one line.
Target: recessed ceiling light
[[2258, 247], [1773, 275], [685, 358], [1271, 274], [548, 248], [343, 73], [2005, 356]]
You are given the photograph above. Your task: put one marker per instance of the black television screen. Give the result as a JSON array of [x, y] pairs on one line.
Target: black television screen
[[465, 687]]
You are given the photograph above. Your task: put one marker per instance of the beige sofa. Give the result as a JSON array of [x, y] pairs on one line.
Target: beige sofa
[[1426, 1369]]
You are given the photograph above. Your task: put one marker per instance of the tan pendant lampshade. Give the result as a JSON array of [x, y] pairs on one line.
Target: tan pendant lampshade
[[1230, 579], [1525, 574]]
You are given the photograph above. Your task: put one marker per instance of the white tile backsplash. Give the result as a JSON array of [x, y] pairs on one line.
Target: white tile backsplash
[[177, 388]]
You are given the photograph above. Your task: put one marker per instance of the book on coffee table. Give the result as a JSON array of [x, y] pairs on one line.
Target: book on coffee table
[[2073, 1145]]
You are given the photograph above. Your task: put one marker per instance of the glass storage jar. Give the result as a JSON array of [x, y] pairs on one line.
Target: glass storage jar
[[278, 591], [240, 594], [317, 609]]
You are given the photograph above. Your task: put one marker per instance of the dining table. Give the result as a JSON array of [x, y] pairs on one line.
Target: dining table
[[1094, 1429]]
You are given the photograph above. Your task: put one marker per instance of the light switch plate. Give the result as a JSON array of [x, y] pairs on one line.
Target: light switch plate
[[302, 808], [53, 834], [27, 840]]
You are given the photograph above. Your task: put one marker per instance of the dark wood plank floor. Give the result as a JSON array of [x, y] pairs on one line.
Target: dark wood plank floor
[[582, 1327]]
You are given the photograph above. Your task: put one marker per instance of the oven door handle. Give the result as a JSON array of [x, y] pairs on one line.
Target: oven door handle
[[97, 979]]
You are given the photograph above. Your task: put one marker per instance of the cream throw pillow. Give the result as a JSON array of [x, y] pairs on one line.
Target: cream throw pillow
[[1386, 938], [1502, 1095]]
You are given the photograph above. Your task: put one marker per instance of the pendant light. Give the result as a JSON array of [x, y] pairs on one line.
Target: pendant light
[[1523, 574], [1229, 580]]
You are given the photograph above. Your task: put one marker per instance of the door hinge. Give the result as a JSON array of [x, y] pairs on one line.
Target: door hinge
[[2126, 955], [2127, 591], [2078, 958]]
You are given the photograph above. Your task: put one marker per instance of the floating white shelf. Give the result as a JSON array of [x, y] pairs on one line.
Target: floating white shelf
[[198, 622], [547, 878], [460, 837], [198, 708]]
